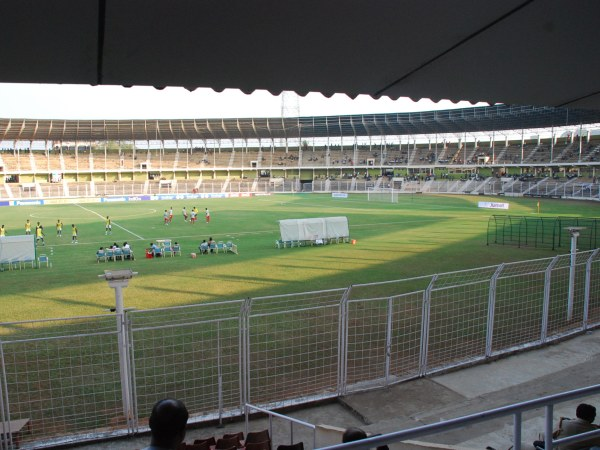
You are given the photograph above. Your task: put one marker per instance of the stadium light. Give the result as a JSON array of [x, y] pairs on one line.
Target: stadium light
[[574, 231], [119, 279]]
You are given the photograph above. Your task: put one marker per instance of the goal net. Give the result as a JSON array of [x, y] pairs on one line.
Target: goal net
[[388, 195]]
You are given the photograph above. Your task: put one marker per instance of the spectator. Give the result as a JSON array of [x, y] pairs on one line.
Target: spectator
[[356, 434], [586, 414], [353, 434], [203, 247], [167, 424]]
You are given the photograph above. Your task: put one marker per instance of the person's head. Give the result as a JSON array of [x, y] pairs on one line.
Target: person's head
[[353, 434], [167, 423], [586, 412]]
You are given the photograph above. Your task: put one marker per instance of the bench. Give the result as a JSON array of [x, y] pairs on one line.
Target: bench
[[16, 429]]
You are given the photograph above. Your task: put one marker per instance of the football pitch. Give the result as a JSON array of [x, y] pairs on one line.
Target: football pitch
[[419, 235]]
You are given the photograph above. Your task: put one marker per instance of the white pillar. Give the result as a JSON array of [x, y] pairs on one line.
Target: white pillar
[[119, 279], [574, 235]]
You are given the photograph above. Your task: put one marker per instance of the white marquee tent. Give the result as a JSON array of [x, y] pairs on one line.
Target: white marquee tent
[[314, 229]]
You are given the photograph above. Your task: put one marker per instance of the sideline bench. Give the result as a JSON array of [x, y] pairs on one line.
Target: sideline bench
[[16, 429]]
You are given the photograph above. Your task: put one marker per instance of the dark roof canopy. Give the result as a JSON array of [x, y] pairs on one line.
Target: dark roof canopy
[[477, 119], [527, 52]]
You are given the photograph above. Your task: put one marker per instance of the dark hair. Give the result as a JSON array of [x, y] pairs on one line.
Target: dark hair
[[168, 419], [353, 434], [586, 412]]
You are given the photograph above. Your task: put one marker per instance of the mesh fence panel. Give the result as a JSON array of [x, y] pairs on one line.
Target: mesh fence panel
[[285, 350], [64, 385], [192, 353], [406, 335], [457, 323], [594, 302], [518, 309], [367, 337], [293, 346]]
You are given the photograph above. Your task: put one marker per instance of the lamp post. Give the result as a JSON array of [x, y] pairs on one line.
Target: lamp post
[[119, 279], [574, 231]]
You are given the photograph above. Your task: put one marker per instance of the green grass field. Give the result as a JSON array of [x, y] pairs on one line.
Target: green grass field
[[420, 235]]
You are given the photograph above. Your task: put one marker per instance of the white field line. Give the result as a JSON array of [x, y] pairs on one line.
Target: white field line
[[114, 223]]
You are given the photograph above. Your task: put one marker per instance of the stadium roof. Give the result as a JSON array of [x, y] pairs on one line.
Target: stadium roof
[[527, 52], [452, 121]]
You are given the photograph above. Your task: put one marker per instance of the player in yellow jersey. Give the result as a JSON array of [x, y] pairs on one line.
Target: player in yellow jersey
[[2, 231], [39, 234], [28, 227], [108, 226], [73, 234], [59, 227]]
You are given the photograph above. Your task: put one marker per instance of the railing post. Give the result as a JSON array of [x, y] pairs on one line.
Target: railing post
[[425, 318], [219, 374], [546, 300], [5, 443], [245, 352], [517, 423], [388, 339], [343, 342], [588, 283], [548, 419], [489, 337]]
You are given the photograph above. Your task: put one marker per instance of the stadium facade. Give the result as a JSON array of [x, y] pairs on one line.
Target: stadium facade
[[74, 158]]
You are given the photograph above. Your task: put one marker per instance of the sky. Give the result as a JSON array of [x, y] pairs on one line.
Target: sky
[[53, 101]]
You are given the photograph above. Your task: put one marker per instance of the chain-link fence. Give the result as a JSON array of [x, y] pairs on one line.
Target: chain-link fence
[[64, 380]]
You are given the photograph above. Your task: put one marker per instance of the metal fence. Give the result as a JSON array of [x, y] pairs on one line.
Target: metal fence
[[67, 378], [548, 232]]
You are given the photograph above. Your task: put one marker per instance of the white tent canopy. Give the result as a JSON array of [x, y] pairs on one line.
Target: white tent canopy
[[314, 229], [17, 249]]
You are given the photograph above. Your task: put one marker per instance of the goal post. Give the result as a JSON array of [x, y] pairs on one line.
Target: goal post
[[387, 195]]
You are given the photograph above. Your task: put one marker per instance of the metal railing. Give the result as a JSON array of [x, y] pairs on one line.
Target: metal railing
[[68, 378], [516, 411], [272, 415]]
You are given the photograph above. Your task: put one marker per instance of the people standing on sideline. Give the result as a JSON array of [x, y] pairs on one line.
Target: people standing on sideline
[[207, 214], [166, 217], [59, 227], [73, 234], [39, 234], [167, 424], [211, 244], [28, 227], [108, 226], [185, 214], [2, 231]]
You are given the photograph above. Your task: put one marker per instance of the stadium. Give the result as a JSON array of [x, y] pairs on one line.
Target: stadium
[[429, 272]]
